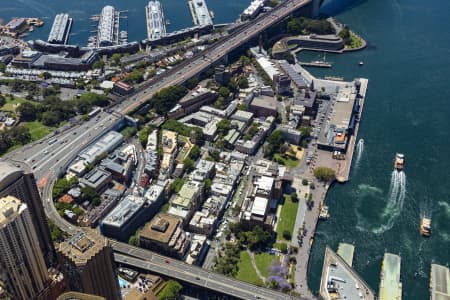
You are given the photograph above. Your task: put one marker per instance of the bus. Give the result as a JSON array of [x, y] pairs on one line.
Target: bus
[[52, 141], [94, 112]]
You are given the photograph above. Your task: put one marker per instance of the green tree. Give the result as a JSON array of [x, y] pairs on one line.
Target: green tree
[[99, 64], [2, 67], [324, 173], [294, 197], [46, 75], [304, 181], [177, 184], [143, 136], [195, 152], [134, 240], [188, 164], [224, 92], [170, 291], [223, 126], [274, 142], [306, 131], [116, 58], [245, 60], [19, 135], [2, 100], [191, 83], [287, 235], [27, 112]]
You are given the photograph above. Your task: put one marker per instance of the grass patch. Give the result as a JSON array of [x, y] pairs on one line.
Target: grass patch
[[11, 103], [356, 42], [288, 162], [37, 129], [246, 271], [263, 261], [287, 217]]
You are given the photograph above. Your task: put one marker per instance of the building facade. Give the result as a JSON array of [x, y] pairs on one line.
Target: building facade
[[22, 185], [23, 269], [88, 265]]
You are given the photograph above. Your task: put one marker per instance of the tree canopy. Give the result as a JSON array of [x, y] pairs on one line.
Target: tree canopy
[[304, 25], [324, 173]]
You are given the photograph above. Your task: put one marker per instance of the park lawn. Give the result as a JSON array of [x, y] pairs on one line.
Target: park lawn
[[37, 129], [287, 217], [263, 262], [11, 104], [246, 271], [288, 162]]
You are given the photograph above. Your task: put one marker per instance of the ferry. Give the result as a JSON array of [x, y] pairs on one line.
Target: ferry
[[399, 161], [425, 226]]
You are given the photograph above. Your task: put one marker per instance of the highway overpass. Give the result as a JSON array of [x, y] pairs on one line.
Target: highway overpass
[[150, 261]]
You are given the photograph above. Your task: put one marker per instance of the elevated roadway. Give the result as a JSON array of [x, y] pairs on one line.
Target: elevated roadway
[[150, 261]]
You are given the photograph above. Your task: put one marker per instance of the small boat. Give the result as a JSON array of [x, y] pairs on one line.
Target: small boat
[[361, 63], [425, 226], [399, 161]]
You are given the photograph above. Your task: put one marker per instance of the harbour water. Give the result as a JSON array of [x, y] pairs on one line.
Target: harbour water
[[177, 11], [406, 110], [407, 63]]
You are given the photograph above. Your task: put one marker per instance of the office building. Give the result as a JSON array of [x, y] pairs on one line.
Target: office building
[[88, 265], [165, 235], [22, 185], [79, 296], [23, 270]]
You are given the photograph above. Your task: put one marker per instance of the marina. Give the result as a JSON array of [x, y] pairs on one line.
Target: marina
[[156, 25], [200, 13], [390, 284], [439, 282], [316, 63], [60, 31]]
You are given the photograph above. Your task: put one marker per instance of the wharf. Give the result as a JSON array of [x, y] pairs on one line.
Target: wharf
[[343, 173], [340, 281], [346, 251], [390, 285], [315, 64], [439, 282], [200, 13]]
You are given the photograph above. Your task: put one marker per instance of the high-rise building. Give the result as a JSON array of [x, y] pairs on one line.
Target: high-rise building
[[22, 185], [23, 270], [88, 265]]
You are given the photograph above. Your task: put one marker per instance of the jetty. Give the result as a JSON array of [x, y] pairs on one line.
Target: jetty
[[156, 25], [59, 34], [340, 281], [346, 251], [200, 13], [439, 282], [316, 64], [390, 285]]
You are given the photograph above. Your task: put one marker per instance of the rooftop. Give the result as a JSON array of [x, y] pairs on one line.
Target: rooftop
[[265, 102], [10, 208], [259, 206], [161, 228], [81, 247], [124, 211]]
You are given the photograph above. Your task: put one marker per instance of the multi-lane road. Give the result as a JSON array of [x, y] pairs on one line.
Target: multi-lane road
[[147, 260], [47, 160]]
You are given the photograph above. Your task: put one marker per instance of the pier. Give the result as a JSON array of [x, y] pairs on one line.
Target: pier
[[60, 31], [316, 64], [340, 281], [346, 251], [156, 26], [200, 13], [439, 282], [390, 285], [108, 27]]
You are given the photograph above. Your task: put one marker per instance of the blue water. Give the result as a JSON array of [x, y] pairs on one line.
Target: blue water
[[177, 11], [407, 111]]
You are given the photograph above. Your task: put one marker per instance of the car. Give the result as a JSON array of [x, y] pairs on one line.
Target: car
[[33, 160], [198, 278], [167, 261]]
